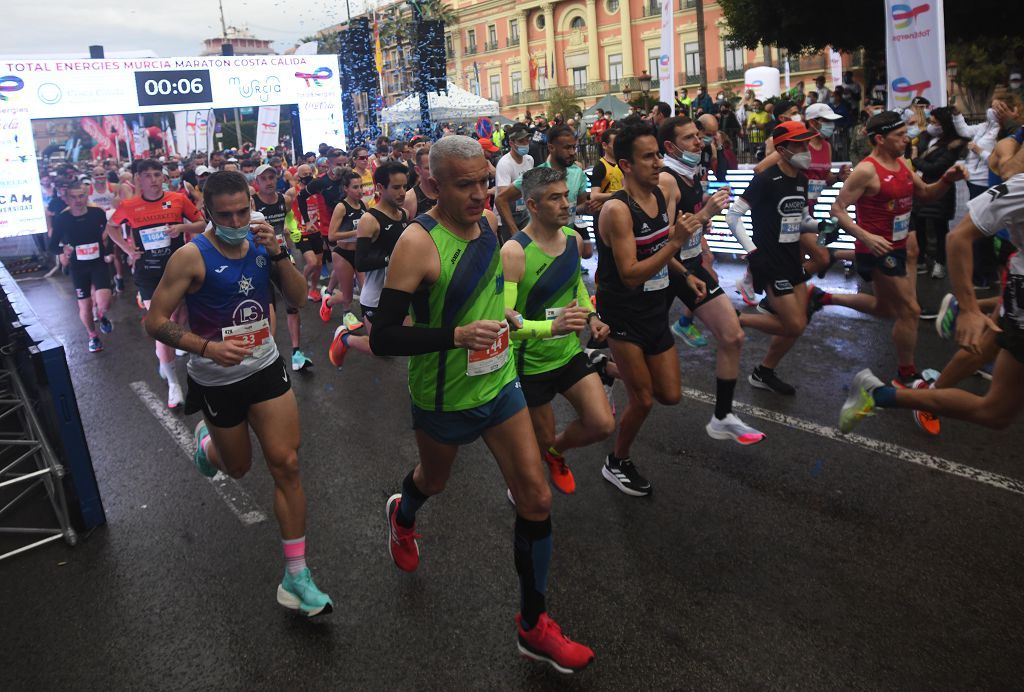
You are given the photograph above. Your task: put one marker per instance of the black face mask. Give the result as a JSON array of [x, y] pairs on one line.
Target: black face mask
[[306, 180]]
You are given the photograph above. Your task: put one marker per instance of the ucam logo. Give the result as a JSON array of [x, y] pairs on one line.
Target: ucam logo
[[904, 90], [320, 73], [905, 15], [9, 84]]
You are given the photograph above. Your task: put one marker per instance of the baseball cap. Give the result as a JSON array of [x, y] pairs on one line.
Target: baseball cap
[[260, 170], [791, 131], [488, 145], [920, 101], [884, 123], [202, 170], [518, 131], [820, 111], [784, 105], [417, 139]]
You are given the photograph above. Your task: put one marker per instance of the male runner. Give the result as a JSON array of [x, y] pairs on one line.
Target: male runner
[[104, 195], [330, 189], [695, 284], [883, 190], [605, 176], [156, 223], [275, 206], [636, 240], [462, 381], [310, 244], [999, 207], [342, 235], [377, 233], [419, 200], [544, 285], [777, 201], [78, 235], [236, 376]]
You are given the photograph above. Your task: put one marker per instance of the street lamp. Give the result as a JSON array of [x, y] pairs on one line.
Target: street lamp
[[645, 86]]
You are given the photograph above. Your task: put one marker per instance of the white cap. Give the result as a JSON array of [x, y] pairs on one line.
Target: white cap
[[202, 170], [820, 111], [263, 168]]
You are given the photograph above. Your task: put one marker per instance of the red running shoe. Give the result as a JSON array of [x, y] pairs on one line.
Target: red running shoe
[[325, 309], [545, 642], [926, 420], [336, 353], [561, 476], [402, 545], [313, 296]]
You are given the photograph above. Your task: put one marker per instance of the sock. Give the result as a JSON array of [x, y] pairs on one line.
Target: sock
[[907, 371], [724, 390], [554, 452], [295, 349], [533, 557], [884, 396], [92, 334], [169, 373], [344, 337], [294, 554], [616, 459], [412, 500], [825, 298], [685, 320], [764, 370]]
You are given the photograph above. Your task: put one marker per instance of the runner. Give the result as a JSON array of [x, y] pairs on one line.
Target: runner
[[104, 194], [883, 190], [157, 222], [377, 233], [418, 200], [78, 235], [543, 285], [236, 376], [310, 243], [511, 166], [605, 176], [360, 164], [275, 207], [342, 234], [695, 284], [462, 381], [636, 240], [328, 186], [1000, 207]]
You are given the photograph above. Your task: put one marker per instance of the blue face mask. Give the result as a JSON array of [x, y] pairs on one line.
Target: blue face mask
[[827, 129], [913, 132], [523, 151], [708, 139], [249, 177], [689, 158], [229, 235]]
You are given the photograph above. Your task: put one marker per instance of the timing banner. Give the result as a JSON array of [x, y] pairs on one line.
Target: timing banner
[[915, 52]]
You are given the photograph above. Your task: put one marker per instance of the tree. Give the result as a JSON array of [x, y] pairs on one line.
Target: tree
[[980, 67], [563, 100]]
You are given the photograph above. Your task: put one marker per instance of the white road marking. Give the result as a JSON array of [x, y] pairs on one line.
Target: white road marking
[[233, 494], [895, 451]]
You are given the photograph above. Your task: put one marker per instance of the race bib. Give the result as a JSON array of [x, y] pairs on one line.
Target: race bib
[[551, 314], [520, 206], [789, 229], [900, 227], [155, 238], [814, 188], [657, 282], [693, 246], [572, 216], [255, 335], [88, 251], [490, 359]]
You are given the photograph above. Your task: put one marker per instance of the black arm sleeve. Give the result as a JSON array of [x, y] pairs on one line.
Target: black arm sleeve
[[369, 255], [390, 338]]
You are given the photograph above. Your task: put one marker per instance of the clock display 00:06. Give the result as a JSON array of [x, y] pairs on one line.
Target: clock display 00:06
[[164, 87]]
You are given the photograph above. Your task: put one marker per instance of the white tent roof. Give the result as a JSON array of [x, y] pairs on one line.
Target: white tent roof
[[457, 104]]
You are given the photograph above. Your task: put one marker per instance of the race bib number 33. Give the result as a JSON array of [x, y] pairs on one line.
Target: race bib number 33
[[255, 336]]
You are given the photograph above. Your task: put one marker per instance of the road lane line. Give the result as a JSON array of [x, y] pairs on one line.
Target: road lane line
[[895, 451], [233, 494]]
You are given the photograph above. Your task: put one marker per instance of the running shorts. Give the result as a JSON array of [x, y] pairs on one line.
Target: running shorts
[[463, 427], [781, 273], [681, 290], [146, 282], [367, 312], [228, 405], [541, 388], [648, 331], [347, 255], [89, 276], [311, 243], [891, 264]]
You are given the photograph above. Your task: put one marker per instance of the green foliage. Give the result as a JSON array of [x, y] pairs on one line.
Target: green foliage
[[981, 66], [563, 101]]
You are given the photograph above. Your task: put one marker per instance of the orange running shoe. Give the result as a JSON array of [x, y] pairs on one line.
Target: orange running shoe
[[561, 476], [545, 642]]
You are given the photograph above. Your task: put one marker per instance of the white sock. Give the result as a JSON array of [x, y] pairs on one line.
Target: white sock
[[169, 373]]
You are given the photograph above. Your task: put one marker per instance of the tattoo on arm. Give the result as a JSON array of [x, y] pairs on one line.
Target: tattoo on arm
[[170, 333]]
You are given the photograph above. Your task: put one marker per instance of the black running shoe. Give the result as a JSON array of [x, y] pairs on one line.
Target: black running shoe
[[764, 307], [623, 475], [762, 378], [814, 304]]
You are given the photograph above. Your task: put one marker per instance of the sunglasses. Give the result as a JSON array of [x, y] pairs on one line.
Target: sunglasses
[[362, 158]]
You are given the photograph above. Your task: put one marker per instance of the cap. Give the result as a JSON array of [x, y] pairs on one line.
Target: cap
[[782, 106], [488, 145], [791, 131], [417, 139], [232, 160], [820, 111], [322, 161], [884, 123], [518, 131], [202, 170], [260, 170], [920, 101]]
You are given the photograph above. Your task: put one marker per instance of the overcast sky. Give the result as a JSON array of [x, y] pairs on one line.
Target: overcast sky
[[171, 28]]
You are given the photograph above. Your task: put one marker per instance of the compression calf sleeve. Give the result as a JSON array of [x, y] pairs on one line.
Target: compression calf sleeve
[[412, 500], [533, 558]]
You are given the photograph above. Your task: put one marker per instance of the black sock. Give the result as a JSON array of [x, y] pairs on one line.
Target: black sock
[[295, 350], [615, 459], [532, 549], [412, 500], [762, 370], [724, 390]]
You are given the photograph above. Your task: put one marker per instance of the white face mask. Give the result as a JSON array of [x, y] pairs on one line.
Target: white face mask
[[934, 130], [801, 161], [795, 117]]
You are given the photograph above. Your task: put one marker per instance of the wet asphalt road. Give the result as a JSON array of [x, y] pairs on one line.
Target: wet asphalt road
[[802, 562]]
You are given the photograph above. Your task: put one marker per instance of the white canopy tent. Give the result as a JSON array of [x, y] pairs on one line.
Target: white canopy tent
[[457, 104]]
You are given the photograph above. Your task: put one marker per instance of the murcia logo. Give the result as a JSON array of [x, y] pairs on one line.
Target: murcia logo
[[254, 88]]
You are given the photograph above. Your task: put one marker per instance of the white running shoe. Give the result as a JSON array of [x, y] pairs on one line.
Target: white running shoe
[[179, 353], [174, 395], [732, 428], [745, 287]]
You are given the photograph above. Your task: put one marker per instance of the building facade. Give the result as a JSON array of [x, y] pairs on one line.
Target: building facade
[[241, 40]]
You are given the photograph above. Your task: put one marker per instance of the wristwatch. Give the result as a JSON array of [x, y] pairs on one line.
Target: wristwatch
[[280, 256]]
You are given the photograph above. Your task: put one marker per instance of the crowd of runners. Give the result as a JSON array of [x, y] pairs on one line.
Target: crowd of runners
[[472, 268]]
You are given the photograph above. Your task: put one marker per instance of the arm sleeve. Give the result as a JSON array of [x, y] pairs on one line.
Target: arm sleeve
[[390, 338], [583, 296], [734, 219], [808, 224], [369, 255], [531, 329]]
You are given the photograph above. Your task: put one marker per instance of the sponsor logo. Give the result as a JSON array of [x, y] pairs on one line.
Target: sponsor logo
[[792, 205], [247, 311], [889, 262], [756, 84], [9, 84], [261, 261], [316, 76], [221, 268], [49, 93], [245, 286], [903, 16], [254, 88], [904, 90]]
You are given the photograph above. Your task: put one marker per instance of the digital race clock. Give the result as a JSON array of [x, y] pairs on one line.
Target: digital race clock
[[165, 87]]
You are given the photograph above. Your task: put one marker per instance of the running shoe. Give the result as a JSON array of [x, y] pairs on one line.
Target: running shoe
[[119, 284], [402, 545], [764, 307], [945, 320], [140, 302], [938, 271], [545, 642], [106, 326], [179, 352], [690, 335], [174, 396], [313, 296], [926, 420], [325, 309], [300, 361], [298, 592], [336, 353], [624, 476], [199, 457], [928, 312], [745, 287], [95, 345], [908, 382], [351, 322], [561, 476], [859, 402], [508, 494], [732, 428], [814, 304], [767, 379], [600, 361]]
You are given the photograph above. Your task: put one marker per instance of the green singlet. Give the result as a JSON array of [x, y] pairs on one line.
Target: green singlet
[[469, 288]]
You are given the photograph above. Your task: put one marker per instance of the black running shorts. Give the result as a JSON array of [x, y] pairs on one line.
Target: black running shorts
[[779, 272], [85, 277], [311, 243], [681, 290], [228, 405], [541, 388], [891, 264]]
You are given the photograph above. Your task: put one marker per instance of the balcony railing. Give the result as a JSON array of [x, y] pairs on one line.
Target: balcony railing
[[471, 50], [687, 4], [727, 74], [651, 8], [512, 41], [688, 79], [490, 46], [599, 88]]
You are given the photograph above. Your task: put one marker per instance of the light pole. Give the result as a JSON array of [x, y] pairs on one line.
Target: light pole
[[645, 87]]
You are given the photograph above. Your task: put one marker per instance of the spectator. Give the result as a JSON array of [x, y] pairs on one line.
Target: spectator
[[860, 145], [852, 91], [758, 122], [600, 125], [842, 108], [660, 113], [683, 103], [812, 98], [824, 93], [703, 103], [539, 139], [942, 147]]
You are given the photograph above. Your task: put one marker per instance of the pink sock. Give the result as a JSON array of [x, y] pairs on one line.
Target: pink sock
[[294, 554]]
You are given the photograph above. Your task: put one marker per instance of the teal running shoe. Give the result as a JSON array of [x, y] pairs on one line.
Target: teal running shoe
[[690, 335], [298, 592], [199, 456]]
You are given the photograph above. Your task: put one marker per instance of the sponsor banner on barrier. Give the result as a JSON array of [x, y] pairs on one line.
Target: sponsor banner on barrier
[[21, 199], [268, 127], [915, 52]]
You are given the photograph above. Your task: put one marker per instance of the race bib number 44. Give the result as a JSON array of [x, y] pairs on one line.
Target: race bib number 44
[[490, 359], [255, 336]]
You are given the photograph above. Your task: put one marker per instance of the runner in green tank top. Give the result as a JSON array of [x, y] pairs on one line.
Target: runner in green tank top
[[544, 287], [462, 380]]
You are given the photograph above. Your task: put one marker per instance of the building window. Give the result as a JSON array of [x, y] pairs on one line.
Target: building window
[[653, 59], [733, 56], [495, 87], [612, 6], [615, 68], [692, 53], [579, 77], [492, 36], [517, 82], [449, 46], [577, 24], [540, 21], [513, 29], [471, 41]]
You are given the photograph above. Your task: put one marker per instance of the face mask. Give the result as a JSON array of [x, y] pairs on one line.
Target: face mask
[[688, 158], [913, 132], [795, 117], [934, 130], [523, 150], [249, 177], [229, 235], [990, 114], [927, 113], [708, 139], [801, 161], [306, 180], [827, 129]]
